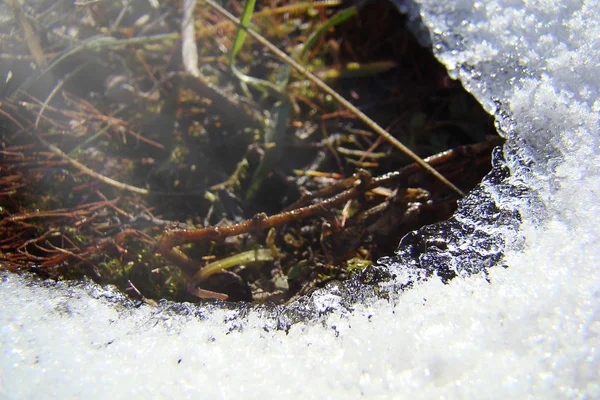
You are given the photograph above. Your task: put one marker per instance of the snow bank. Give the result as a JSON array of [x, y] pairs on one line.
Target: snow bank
[[532, 329]]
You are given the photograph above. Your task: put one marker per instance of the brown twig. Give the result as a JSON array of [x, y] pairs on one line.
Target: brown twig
[[168, 242], [354, 187], [92, 173]]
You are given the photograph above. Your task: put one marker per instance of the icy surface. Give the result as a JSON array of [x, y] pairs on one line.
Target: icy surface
[[531, 329]]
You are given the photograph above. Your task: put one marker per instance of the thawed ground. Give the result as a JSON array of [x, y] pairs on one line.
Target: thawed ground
[[532, 328]]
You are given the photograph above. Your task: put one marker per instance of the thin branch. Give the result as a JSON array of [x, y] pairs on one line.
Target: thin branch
[[58, 86], [90, 172]]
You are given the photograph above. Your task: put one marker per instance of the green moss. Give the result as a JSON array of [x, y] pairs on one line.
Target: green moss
[[356, 265]]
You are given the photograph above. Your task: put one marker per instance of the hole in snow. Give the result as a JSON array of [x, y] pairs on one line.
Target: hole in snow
[[216, 152]]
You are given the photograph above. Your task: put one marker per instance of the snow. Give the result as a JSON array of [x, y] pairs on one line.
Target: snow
[[529, 330]]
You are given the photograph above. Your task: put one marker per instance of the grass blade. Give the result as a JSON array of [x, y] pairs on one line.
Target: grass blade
[[242, 32], [274, 135], [247, 257], [337, 19]]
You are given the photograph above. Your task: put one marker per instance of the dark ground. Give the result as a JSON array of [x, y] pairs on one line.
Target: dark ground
[[206, 153]]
